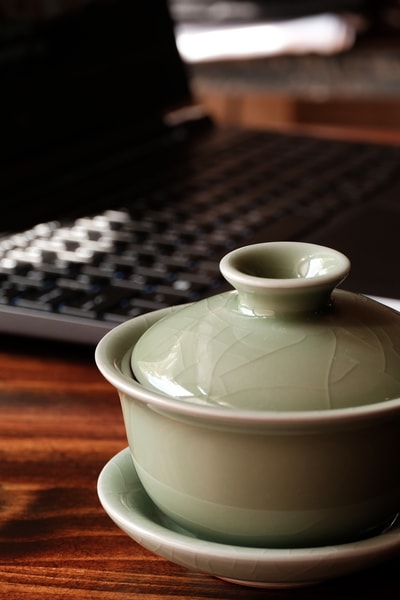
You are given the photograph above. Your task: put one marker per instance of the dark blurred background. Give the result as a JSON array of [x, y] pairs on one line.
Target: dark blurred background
[[354, 82]]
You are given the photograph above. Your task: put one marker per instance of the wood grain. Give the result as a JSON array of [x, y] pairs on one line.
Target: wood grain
[[60, 422]]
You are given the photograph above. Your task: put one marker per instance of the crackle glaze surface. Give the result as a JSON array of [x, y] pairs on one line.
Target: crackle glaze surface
[[346, 355]]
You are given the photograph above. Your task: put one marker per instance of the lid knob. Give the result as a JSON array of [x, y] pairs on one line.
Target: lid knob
[[284, 277]]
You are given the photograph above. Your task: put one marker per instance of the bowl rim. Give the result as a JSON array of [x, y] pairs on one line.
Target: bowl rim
[[115, 345]]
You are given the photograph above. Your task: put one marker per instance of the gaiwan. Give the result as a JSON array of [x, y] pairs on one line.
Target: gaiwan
[[268, 416], [285, 339]]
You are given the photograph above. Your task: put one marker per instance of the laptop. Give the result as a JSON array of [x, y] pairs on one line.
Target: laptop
[[120, 195]]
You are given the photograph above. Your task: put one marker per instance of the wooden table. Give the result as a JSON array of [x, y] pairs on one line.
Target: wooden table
[[60, 422]]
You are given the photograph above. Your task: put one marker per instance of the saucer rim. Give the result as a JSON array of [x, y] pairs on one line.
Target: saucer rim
[[313, 564]]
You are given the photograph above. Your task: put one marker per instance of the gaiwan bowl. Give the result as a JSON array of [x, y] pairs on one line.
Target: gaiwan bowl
[[267, 416]]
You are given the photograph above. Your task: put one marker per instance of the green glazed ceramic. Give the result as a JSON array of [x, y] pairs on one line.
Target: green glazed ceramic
[[298, 466], [284, 340], [128, 505]]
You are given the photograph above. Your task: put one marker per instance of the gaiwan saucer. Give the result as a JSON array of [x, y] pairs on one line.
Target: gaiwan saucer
[[126, 502]]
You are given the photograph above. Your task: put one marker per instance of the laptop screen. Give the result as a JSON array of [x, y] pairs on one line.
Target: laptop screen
[[80, 67]]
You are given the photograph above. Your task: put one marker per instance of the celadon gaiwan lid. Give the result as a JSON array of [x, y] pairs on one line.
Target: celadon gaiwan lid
[[285, 339]]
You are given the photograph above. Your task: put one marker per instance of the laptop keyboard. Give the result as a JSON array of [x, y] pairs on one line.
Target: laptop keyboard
[[161, 246]]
